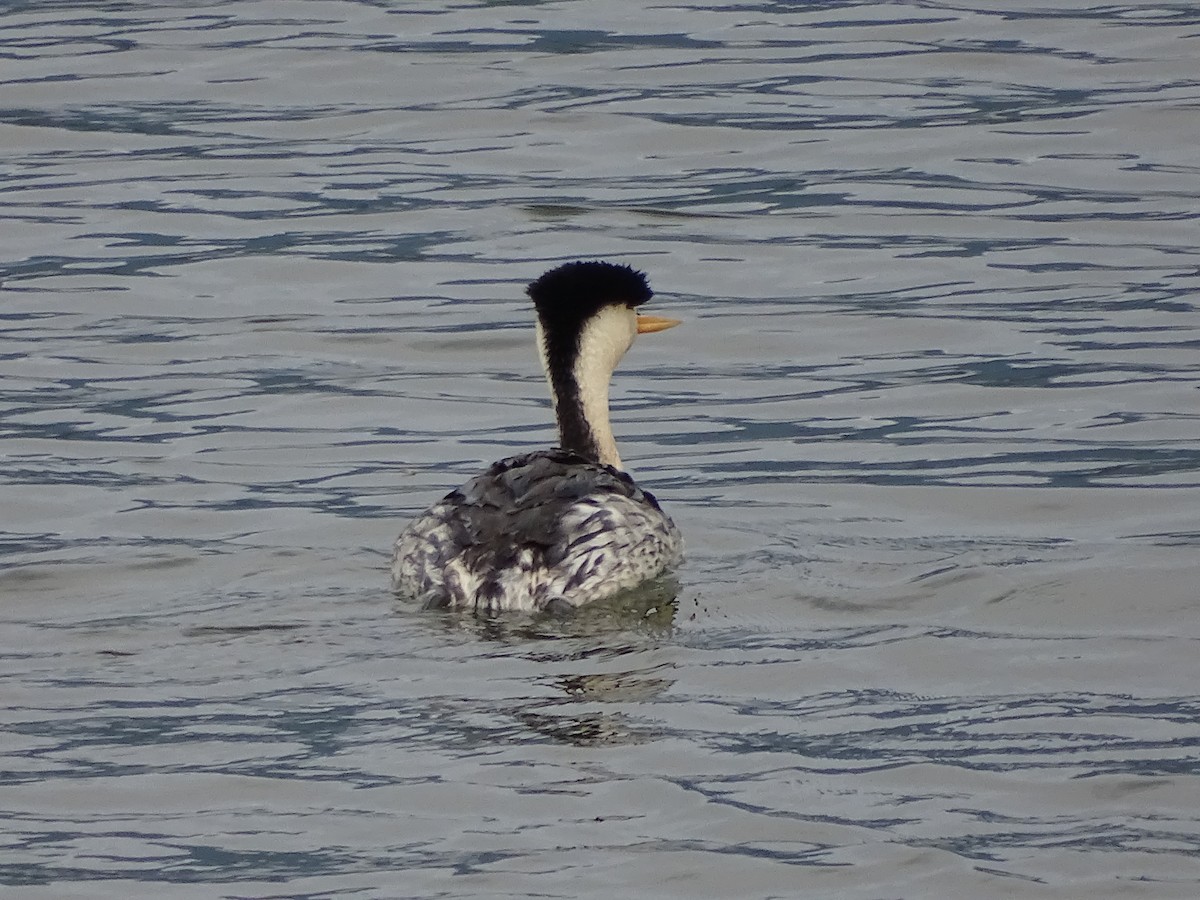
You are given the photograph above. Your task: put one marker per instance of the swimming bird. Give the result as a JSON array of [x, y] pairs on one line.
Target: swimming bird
[[553, 529]]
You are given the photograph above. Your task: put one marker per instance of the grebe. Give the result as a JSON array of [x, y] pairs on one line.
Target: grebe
[[553, 529]]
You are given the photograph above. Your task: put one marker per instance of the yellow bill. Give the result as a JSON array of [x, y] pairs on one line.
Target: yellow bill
[[651, 324]]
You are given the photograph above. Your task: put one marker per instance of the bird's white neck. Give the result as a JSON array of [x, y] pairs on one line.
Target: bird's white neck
[[580, 393]]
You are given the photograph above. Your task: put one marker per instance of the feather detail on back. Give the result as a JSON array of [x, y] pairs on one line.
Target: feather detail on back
[[531, 529]]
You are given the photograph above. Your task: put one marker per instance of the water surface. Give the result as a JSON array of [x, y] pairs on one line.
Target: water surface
[[931, 431]]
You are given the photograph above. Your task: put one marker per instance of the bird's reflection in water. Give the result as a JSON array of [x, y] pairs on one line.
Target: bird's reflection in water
[[559, 719], [589, 730], [608, 629]]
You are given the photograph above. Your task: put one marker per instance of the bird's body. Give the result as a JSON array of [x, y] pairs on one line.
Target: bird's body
[[559, 527], [532, 530]]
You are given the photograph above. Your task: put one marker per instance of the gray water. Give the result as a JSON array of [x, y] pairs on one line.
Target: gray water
[[932, 432]]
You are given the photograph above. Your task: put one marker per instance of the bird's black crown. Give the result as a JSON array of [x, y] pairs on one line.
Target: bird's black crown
[[576, 291]]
